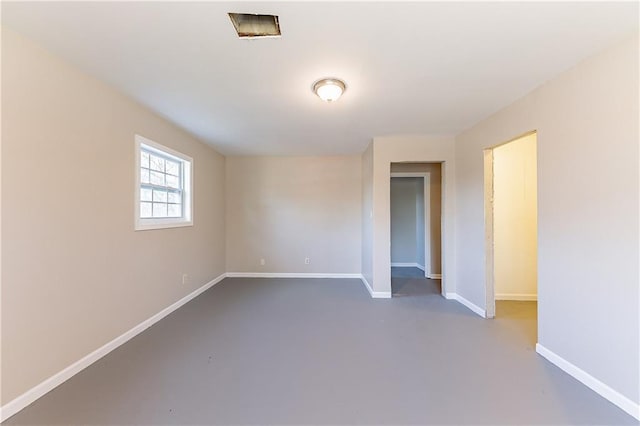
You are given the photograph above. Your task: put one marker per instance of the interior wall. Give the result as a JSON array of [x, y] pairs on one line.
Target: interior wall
[[283, 209], [435, 206], [587, 137], [367, 252], [407, 148], [420, 223], [515, 220], [404, 220], [75, 274]]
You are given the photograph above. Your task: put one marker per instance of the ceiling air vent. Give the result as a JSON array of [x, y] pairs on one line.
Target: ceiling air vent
[[248, 25]]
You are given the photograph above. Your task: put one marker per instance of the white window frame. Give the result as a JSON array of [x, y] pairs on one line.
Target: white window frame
[[142, 224]]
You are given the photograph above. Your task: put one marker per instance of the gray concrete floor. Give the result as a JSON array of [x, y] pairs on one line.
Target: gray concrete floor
[[321, 351]]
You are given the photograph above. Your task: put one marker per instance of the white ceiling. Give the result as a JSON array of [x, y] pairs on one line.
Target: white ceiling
[[428, 68]]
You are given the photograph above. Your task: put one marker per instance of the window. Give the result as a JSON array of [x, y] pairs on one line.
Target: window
[[163, 186]]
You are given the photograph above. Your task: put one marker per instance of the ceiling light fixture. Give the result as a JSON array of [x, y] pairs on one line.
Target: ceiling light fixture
[[329, 89]]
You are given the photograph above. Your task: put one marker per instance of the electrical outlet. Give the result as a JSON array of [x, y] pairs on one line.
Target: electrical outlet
[[262, 262], [307, 261], [185, 279]]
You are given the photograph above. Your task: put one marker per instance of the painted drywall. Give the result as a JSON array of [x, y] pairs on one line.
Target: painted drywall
[[410, 149], [420, 222], [515, 219], [435, 204], [75, 274], [1, 315], [284, 209], [587, 138], [404, 220], [367, 213]]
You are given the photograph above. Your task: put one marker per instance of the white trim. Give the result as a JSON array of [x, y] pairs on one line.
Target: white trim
[[289, 275], [435, 276], [475, 308], [516, 296], [406, 265], [14, 406], [161, 223], [588, 380], [426, 195], [375, 294]]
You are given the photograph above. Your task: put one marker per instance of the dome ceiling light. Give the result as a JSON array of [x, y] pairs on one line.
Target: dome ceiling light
[[329, 89]]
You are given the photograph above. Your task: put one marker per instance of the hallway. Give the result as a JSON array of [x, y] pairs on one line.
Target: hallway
[[412, 282]]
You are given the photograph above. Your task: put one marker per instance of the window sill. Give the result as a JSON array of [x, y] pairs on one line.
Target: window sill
[[146, 225]]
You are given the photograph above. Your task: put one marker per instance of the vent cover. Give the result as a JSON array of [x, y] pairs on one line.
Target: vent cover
[[248, 25]]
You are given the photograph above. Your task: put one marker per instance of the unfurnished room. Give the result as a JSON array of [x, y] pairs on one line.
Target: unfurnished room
[[319, 213]]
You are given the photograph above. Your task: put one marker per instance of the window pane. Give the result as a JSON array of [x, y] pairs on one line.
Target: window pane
[[145, 194], [159, 210], [161, 191], [145, 209], [173, 168], [157, 163], [157, 178], [175, 197], [175, 210], [173, 181], [159, 196]]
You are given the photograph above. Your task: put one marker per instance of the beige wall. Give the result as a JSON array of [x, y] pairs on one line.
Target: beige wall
[[398, 149], [435, 206], [588, 295], [367, 213], [421, 225], [75, 274], [283, 209], [515, 219]]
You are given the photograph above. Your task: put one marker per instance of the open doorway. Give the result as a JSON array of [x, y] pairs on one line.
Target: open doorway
[[511, 231], [416, 228]]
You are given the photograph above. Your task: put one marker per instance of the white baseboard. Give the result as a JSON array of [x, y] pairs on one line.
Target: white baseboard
[[14, 406], [289, 275], [435, 276], [407, 265], [475, 308], [588, 380], [516, 296], [375, 294]]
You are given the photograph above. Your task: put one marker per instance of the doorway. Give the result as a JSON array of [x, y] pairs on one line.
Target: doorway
[[415, 245], [511, 228]]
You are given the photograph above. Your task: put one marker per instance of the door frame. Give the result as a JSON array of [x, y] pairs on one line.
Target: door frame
[[426, 176], [489, 243]]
